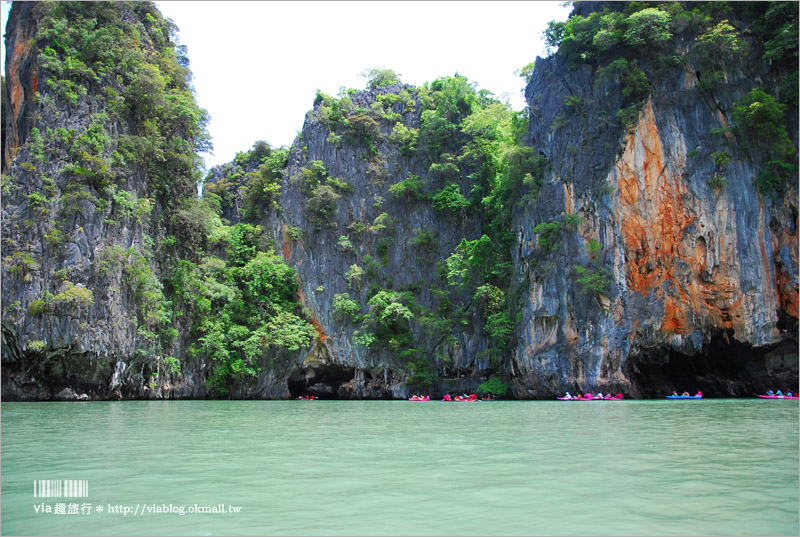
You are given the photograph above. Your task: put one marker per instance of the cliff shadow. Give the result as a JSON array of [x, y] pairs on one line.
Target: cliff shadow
[[725, 368], [322, 381]]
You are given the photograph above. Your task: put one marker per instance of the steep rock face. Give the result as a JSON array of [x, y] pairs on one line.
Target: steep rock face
[[701, 280], [83, 305], [380, 229], [21, 88]]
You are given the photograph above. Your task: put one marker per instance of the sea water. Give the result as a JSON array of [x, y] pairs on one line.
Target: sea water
[[708, 467]]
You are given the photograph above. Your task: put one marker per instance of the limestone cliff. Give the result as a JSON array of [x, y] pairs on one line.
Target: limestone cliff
[[702, 263], [89, 183], [634, 230], [675, 261], [371, 239]]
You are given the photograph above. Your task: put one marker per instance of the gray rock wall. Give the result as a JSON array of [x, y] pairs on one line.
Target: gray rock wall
[[322, 265], [689, 265]]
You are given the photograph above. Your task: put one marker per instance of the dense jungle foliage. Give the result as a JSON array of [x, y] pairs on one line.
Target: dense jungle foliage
[[128, 151]]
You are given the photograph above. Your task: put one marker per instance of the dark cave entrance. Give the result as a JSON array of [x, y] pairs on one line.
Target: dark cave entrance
[[724, 368], [322, 381]]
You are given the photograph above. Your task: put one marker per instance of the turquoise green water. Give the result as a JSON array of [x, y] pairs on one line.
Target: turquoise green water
[[713, 467]]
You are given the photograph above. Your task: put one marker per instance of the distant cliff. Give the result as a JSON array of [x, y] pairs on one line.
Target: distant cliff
[[634, 229]]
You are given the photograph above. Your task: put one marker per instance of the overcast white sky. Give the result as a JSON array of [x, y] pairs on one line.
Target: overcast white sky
[[257, 64]]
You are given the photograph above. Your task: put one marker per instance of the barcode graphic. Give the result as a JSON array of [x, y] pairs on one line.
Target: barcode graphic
[[60, 488]]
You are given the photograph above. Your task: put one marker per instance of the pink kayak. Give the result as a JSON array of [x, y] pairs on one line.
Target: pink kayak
[[589, 399], [778, 397]]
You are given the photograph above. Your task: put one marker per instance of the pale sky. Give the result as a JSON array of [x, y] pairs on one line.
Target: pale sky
[[257, 64]]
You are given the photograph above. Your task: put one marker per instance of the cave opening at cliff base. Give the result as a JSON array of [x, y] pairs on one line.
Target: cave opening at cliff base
[[724, 368], [323, 382]]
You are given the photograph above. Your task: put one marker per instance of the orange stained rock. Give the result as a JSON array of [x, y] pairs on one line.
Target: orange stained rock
[[787, 294], [16, 91], [674, 321], [651, 198], [787, 291], [286, 238], [568, 206], [301, 297], [689, 79], [16, 95], [287, 244], [628, 186], [656, 210], [323, 337]]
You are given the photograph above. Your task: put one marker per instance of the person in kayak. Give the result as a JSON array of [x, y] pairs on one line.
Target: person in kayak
[[789, 394], [779, 393], [770, 393], [674, 393], [698, 394]]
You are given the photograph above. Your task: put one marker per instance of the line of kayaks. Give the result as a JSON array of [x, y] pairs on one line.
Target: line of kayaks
[[589, 398], [458, 399]]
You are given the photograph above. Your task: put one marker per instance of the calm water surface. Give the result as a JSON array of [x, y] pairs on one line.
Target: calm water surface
[[712, 467]]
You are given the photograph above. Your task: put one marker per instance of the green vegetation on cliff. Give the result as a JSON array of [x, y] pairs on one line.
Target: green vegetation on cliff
[[398, 215], [133, 74], [111, 161], [240, 308], [724, 37], [475, 168]]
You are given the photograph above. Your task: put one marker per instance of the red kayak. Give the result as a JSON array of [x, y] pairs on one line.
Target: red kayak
[[778, 397], [460, 399]]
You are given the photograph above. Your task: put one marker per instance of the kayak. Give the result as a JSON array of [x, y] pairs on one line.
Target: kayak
[[589, 399], [684, 397], [778, 397], [419, 398]]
